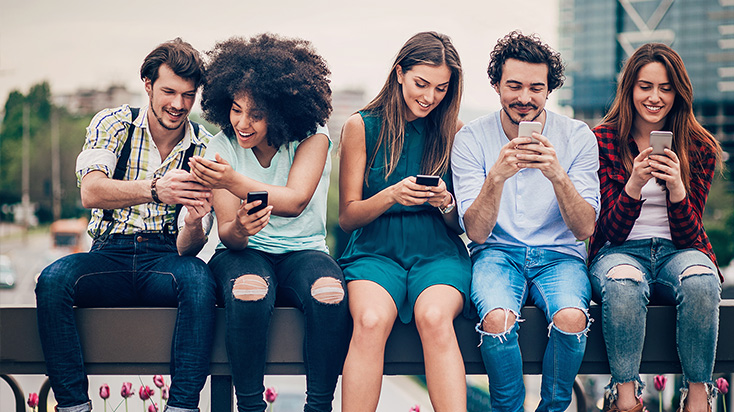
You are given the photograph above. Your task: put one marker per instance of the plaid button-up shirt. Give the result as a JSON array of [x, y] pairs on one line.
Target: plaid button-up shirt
[[619, 211], [106, 136]]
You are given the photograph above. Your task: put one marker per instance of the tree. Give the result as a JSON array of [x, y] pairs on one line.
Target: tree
[[71, 138]]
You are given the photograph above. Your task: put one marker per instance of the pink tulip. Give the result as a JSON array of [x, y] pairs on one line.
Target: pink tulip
[[146, 392], [270, 395], [127, 390], [415, 408], [159, 381], [104, 391], [660, 381], [723, 385], [153, 407], [164, 392], [33, 400]]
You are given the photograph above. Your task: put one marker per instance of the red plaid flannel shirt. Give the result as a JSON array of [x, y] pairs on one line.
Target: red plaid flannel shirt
[[619, 211]]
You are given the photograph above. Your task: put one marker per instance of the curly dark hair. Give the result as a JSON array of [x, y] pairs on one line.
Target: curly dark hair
[[528, 49], [283, 78]]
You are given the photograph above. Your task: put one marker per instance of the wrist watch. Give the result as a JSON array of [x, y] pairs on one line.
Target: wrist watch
[[447, 209]]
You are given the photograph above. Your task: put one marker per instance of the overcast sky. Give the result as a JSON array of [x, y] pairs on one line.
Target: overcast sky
[[92, 44]]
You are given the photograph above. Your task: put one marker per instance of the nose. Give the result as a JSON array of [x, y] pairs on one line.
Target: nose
[[243, 122], [655, 95], [524, 96], [178, 102], [429, 95]]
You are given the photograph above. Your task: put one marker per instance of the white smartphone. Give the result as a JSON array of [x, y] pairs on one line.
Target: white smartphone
[[526, 129], [661, 140]]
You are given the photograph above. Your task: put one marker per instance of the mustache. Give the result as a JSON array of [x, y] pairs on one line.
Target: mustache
[[524, 106]]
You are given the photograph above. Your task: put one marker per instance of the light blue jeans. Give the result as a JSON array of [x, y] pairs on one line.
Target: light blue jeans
[[503, 278], [627, 277]]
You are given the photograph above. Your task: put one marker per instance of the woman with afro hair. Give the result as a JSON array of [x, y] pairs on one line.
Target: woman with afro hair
[[404, 256], [271, 97]]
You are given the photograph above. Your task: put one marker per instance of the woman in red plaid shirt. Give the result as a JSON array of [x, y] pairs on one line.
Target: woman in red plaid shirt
[[650, 244]]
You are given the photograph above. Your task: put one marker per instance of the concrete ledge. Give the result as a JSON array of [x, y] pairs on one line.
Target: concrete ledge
[[137, 341], [124, 341]]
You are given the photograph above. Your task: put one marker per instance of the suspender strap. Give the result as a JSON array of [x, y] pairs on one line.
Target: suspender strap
[[184, 166], [121, 167]]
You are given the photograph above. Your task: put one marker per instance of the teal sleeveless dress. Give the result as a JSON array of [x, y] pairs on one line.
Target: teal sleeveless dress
[[408, 248]]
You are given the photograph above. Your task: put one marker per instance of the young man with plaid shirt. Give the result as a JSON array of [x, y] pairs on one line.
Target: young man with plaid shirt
[[132, 174]]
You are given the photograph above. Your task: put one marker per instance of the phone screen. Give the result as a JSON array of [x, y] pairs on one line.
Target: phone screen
[[427, 180], [253, 196]]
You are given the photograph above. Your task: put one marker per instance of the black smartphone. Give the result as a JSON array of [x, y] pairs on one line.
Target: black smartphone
[[427, 180], [253, 196]]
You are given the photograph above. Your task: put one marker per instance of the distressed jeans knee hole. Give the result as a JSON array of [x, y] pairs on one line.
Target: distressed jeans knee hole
[[328, 290], [249, 288]]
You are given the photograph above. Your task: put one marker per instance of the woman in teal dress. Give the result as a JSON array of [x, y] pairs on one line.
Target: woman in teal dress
[[404, 257]]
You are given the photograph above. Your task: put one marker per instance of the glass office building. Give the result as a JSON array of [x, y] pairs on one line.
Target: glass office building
[[597, 36]]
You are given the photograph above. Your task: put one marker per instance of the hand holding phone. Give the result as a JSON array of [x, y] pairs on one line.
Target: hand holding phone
[[427, 180], [526, 129], [661, 140], [253, 196]]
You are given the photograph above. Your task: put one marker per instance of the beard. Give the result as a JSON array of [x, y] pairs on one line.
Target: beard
[[517, 122], [160, 119]]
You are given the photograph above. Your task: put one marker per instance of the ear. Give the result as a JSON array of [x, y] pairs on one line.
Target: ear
[[496, 88], [148, 86], [400, 74]]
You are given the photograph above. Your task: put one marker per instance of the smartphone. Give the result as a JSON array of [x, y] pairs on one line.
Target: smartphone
[[526, 129], [253, 196], [427, 180], [660, 140]]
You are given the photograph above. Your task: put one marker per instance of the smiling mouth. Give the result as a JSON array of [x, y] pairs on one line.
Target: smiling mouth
[[653, 108], [245, 135], [423, 105], [175, 115], [524, 107]]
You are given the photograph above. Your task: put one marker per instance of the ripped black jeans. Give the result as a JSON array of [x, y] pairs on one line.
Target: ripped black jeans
[[249, 283]]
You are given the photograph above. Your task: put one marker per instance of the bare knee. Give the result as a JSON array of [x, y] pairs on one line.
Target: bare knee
[[625, 272], [249, 288], [498, 321], [328, 290], [432, 319], [570, 320], [696, 270], [372, 324]]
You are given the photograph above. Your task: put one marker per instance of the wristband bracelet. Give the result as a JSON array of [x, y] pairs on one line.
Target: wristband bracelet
[[154, 191], [449, 207]]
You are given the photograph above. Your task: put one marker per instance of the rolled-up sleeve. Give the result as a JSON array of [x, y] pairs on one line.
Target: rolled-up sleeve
[[584, 170], [101, 146], [468, 170]]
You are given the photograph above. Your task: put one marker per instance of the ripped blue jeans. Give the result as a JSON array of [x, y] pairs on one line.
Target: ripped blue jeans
[[503, 277], [626, 278]]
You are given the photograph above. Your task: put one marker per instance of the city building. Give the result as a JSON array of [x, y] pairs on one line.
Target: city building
[[596, 37], [91, 101]]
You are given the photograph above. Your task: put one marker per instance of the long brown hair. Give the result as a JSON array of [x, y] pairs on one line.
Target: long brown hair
[[428, 48], [680, 120]]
